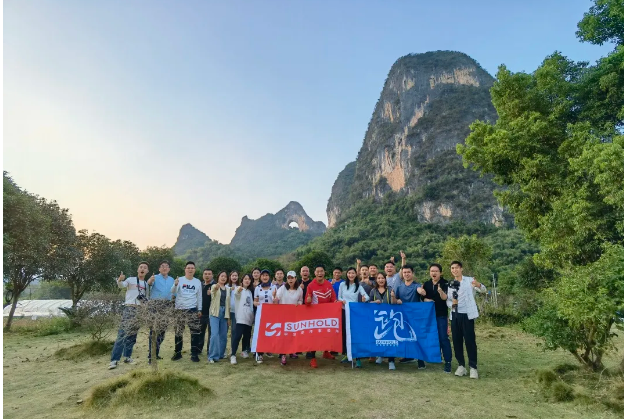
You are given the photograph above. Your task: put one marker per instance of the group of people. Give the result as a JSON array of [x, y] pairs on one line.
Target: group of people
[[231, 300]]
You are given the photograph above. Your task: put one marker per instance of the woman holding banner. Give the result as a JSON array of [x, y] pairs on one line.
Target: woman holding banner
[[382, 293], [289, 293], [348, 292]]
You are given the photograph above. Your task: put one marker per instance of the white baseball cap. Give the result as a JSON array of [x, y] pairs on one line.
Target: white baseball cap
[[291, 273]]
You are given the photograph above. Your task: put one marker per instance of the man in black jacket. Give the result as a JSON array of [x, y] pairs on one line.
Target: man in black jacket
[[209, 281], [436, 290]]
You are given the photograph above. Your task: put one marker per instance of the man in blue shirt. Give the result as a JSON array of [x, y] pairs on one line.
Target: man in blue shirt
[[406, 291], [160, 301], [337, 279]]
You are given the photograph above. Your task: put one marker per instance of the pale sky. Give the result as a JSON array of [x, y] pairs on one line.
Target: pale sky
[[141, 116]]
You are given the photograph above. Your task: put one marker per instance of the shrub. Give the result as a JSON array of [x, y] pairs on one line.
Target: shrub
[[97, 315]]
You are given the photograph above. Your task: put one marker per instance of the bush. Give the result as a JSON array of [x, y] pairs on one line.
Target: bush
[[143, 387], [97, 315], [85, 350], [502, 317]]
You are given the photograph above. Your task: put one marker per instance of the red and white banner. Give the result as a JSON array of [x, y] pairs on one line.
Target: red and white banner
[[286, 328]]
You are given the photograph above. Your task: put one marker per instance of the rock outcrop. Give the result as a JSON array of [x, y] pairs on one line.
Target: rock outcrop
[[273, 226], [426, 106], [189, 238]]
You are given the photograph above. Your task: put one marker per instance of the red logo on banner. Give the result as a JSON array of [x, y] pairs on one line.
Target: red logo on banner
[[286, 328]]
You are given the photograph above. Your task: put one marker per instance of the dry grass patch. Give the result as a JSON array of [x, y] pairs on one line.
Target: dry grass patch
[[83, 350], [146, 387]]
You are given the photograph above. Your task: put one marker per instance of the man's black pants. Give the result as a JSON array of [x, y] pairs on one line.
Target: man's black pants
[[463, 330]]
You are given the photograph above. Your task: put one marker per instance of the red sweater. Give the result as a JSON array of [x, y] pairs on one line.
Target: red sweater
[[321, 293]]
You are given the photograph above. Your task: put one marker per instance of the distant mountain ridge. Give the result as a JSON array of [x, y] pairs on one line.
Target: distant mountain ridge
[[269, 236]]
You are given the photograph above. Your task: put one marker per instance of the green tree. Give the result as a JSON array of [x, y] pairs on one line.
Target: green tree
[[224, 264], [558, 148], [262, 263], [313, 259], [32, 227], [474, 254], [579, 311], [603, 23], [96, 262], [154, 255]]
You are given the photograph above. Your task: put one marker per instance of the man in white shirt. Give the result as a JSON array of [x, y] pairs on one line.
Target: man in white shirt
[[135, 295], [464, 311], [188, 304]]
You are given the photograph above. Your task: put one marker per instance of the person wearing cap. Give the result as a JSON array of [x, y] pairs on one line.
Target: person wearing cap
[[289, 293], [263, 294]]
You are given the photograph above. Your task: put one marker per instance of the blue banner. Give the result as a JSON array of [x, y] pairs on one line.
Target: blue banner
[[392, 330]]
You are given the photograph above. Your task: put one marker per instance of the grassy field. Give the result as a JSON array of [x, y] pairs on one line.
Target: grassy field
[[38, 384]]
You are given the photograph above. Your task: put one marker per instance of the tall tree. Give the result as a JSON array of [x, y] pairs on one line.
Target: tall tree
[[96, 262], [34, 238]]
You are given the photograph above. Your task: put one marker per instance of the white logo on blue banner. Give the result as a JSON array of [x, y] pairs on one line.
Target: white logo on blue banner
[[392, 321]]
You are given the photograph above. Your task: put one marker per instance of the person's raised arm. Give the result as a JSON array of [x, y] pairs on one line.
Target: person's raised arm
[[121, 281], [477, 286]]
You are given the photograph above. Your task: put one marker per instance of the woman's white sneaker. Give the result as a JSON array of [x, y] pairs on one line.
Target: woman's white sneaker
[[391, 366], [112, 365], [233, 360], [245, 354], [473, 373], [461, 371], [379, 360]]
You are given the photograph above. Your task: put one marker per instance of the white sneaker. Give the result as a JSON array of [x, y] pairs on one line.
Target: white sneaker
[[461, 371], [391, 366], [379, 360], [129, 361], [233, 360], [259, 359], [113, 365], [211, 361], [245, 354], [473, 373]]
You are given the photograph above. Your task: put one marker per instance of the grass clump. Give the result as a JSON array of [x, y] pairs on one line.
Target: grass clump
[[562, 392], [83, 350], [546, 378], [146, 387], [561, 369]]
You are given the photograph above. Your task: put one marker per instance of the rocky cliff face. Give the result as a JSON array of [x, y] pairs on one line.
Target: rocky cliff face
[[189, 238], [426, 106]]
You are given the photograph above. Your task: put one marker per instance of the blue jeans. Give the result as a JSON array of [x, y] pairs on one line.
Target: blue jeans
[[443, 337], [218, 335], [127, 334]]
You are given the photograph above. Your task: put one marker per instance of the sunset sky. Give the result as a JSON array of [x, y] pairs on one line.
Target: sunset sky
[[141, 116]]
